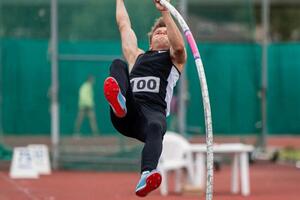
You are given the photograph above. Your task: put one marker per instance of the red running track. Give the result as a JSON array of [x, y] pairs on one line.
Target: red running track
[[268, 182]]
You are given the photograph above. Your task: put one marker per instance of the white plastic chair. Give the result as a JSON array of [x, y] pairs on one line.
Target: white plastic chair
[[176, 155]]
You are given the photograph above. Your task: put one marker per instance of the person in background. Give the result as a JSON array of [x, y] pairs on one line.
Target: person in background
[[86, 106]]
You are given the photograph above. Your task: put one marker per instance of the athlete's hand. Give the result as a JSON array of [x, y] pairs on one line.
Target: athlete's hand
[[159, 6]]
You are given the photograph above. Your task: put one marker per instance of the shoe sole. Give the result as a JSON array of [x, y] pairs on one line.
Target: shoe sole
[[111, 92], [153, 181]]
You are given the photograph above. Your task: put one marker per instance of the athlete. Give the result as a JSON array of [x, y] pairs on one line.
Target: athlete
[[139, 91]]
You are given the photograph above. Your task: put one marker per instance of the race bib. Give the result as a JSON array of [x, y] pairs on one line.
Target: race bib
[[145, 84]]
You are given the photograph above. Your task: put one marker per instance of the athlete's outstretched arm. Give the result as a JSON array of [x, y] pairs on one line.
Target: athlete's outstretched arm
[[129, 41], [178, 52]]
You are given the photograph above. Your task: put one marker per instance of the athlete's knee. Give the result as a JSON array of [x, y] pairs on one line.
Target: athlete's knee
[[157, 128], [118, 64], [118, 61]]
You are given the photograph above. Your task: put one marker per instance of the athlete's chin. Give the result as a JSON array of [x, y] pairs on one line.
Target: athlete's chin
[[161, 47]]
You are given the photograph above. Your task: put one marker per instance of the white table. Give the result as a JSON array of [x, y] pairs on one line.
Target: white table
[[240, 160]]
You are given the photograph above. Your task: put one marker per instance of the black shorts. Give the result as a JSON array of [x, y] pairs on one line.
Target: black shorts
[[140, 116]]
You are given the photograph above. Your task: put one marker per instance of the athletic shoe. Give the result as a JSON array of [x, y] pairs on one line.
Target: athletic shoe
[[113, 95], [149, 181]]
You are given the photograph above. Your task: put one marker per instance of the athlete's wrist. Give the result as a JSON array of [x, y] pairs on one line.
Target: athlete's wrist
[[165, 13]]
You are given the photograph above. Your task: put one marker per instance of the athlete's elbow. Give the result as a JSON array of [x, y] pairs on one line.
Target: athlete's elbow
[[178, 47], [122, 22], [180, 56], [123, 25], [179, 50]]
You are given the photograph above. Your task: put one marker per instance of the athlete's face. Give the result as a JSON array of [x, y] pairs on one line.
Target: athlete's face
[[160, 40]]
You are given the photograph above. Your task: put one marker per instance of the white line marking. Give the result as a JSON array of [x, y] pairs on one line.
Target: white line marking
[[21, 189]]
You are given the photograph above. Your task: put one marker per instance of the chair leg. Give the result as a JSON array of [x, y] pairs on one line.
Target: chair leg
[[198, 176], [245, 174], [164, 182], [235, 174], [178, 175], [190, 168]]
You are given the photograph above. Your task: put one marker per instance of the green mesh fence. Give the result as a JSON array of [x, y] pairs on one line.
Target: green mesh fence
[[233, 78], [25, 81], [283, 95], [233, 74]]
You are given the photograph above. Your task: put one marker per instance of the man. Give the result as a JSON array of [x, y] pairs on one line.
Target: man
[[140, 100], [86, 106]]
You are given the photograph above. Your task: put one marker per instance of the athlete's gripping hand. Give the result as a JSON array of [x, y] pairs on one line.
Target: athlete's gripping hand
[[159, 6]]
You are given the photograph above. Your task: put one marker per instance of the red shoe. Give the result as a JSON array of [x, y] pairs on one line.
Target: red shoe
[[149, 181], [113, 95]]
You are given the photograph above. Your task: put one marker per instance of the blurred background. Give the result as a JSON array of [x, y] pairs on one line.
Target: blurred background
[[250, 50]]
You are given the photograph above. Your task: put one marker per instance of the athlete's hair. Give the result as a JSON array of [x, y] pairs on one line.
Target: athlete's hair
[[158, 23]]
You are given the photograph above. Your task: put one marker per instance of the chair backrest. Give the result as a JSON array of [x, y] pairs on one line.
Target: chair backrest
[[174, 147]]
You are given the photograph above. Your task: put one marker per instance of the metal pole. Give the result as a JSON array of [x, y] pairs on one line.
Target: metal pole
[[182, 83], [1, 75], [54, 85], [264, 74], [1, 89], [87, 58]]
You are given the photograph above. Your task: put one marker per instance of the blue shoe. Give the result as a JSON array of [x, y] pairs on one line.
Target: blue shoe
[[149, 181]]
